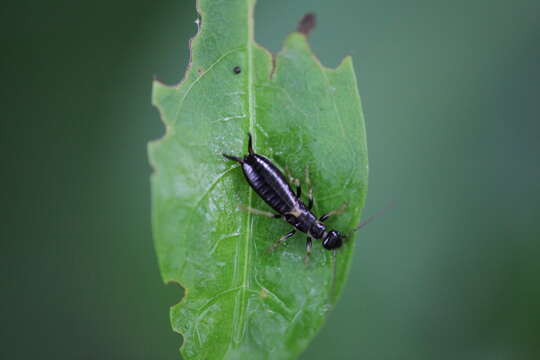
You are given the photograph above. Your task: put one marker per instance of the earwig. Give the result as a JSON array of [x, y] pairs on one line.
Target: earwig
[[270, 184]]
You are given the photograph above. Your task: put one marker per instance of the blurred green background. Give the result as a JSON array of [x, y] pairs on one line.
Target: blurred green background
[[451, 97]]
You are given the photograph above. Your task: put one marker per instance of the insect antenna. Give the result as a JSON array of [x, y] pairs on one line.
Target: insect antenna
[[332, 295], [372, 217], [358, 227], [334, 271]]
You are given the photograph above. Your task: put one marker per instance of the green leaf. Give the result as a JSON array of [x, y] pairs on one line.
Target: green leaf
[[241, 302]]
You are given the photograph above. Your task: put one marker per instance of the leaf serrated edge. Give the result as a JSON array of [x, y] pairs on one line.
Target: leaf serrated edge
[[157, 87]]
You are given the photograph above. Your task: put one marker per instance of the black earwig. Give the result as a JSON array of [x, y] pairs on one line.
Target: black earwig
[[269, 182]]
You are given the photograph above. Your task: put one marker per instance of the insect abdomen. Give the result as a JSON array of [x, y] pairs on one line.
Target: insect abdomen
[[269, 183]]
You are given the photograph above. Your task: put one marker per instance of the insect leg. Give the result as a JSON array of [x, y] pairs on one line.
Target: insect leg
[[333, 212], [281, 240], [310, 189], [294, 181], [298, 188], [288, 174], [308, 250], [259, 212]]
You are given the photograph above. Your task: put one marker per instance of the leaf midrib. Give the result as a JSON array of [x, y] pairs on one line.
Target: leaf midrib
[[242, 279]]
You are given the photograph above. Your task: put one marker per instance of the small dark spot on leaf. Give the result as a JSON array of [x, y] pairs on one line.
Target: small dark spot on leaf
[[306, 24], [237, 70], [200, 71]]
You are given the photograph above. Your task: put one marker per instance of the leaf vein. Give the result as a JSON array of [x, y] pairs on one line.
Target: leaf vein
[[196, 81], [239, 322]]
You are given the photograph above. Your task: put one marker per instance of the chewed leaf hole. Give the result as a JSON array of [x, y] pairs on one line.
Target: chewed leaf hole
[[175, 293]]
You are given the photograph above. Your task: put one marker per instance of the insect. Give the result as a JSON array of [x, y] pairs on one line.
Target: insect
[[270, 184]]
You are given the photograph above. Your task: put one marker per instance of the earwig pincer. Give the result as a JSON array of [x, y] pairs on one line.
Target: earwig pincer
[[270, 184]]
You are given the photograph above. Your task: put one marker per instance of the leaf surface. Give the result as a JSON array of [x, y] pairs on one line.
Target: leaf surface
[[241, 302]]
